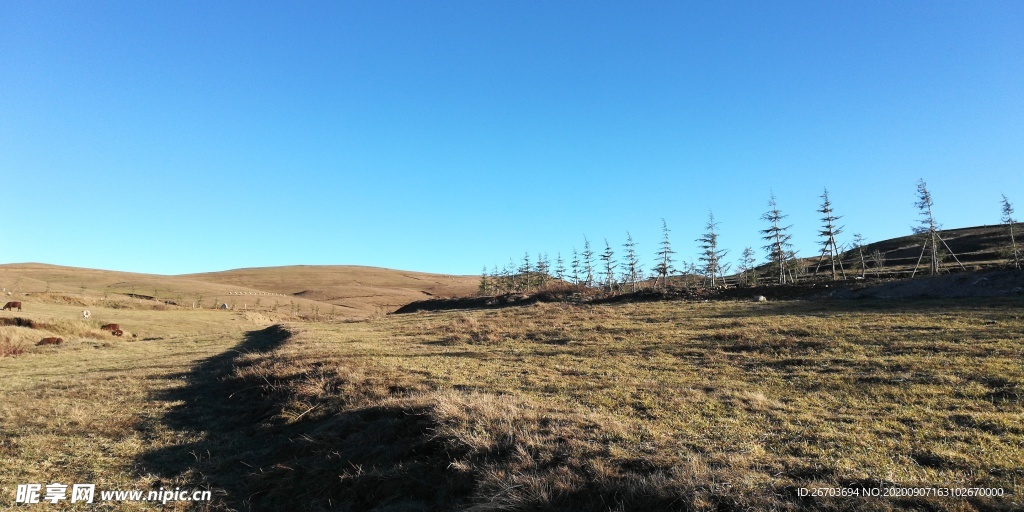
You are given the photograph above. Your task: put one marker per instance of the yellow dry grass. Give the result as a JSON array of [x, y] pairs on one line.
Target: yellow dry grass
[[352, 287], [316, 292], [657, 406], [730, 405]]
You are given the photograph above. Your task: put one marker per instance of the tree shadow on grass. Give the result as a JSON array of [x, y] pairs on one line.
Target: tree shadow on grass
[[368, 458], [208, 407]]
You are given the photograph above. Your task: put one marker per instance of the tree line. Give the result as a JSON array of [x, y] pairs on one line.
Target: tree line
[[604, 270]]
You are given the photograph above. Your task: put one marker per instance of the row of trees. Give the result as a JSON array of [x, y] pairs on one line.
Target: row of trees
[[590, 269]]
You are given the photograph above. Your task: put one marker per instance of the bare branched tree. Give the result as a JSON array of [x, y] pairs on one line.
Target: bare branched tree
[[691, 274], [877, 261]]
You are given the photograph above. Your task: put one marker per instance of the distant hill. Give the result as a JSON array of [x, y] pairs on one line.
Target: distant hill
[[354, 287], [348, 291], [357, 291]]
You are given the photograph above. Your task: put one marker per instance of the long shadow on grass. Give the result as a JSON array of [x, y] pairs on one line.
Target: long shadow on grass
[[210, 408], [337, 458]]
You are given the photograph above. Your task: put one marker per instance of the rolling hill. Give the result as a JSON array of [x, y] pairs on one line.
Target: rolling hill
[[359, 291], [352, 287], [345, 291]]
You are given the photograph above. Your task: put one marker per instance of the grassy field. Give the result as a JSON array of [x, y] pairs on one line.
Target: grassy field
[[656, 406]]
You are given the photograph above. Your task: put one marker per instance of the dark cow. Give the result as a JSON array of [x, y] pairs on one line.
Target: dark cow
[[110, 327], [50, 341], [117, 332], [12, 305]]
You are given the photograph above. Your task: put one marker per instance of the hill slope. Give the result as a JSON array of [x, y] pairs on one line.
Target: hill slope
[[357, 291], [348, 291], [977, 245], [354, 287]]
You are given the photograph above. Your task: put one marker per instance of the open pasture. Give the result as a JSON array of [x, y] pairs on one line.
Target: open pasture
[[655, 406]]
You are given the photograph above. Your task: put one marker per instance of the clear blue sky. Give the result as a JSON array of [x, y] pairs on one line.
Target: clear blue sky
[[175, 137]]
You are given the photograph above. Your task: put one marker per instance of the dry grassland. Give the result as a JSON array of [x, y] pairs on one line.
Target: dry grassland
[[317, 292], [657, 406], [353, 288]]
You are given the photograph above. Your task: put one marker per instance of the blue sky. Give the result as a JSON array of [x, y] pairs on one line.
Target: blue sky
[[175, 137]]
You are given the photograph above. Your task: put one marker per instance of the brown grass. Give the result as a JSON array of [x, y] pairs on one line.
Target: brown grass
[[10, 346], [319, 293], [641, 407], [351, 288], [658, 406]]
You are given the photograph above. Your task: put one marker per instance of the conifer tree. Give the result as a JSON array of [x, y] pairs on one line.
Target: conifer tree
[[929, 229], [514, 283], [525, 272], [747, 266], [1008, 220], [588, 263], [575, 265], [498, 284], [778, 237], [664, 267], [560, 268], [543, 269], [711, 255], [828, 233], [485, 283], [607, 257], [632, 272], [858, 243]]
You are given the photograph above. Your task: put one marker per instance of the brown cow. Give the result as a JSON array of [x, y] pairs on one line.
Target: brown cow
[[11, 305], [50, 341], [110, 327], [117, 332]]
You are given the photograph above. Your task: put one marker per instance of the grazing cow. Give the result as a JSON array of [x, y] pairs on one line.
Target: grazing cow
[[11, 305], [110, 327], [50, 341], [117, 332]]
